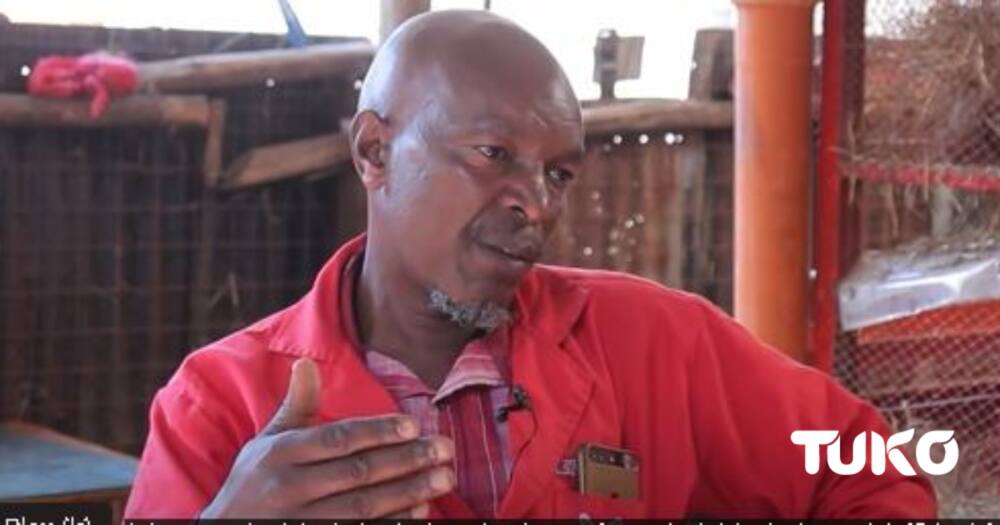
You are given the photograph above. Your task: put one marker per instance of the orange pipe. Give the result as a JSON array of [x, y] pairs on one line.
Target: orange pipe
[[773, 144]]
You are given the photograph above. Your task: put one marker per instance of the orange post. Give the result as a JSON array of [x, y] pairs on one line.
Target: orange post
[[773, 144]]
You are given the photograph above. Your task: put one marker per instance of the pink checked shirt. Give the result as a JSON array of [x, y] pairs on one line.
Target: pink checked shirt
[[464, 408]]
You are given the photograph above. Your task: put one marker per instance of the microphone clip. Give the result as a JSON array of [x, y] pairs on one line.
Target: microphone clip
[[521, 402]]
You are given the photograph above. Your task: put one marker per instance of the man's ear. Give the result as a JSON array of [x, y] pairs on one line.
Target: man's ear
[[369, 137]]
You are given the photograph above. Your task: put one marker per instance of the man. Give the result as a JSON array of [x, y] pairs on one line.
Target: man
[[434, 370]]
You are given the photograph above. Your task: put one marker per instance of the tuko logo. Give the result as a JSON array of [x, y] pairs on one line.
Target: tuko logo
[[881, 450]]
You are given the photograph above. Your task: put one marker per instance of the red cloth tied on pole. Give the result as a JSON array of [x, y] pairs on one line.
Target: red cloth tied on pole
[[97, 75]]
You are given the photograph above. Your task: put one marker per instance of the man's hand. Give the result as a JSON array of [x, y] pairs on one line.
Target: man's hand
[[354, 468]]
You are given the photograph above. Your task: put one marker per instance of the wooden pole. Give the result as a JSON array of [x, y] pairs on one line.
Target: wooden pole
[[214, 134], [224, 70], [280, 161], [773, 143], [136, 110], [702, 172], [657, 114], [395, 12]]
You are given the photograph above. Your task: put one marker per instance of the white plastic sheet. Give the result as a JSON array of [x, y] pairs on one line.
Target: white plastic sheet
[[891, 284]]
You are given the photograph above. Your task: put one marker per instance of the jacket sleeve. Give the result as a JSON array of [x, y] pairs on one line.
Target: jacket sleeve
[[866, 495], [750, 398], [186, 458]]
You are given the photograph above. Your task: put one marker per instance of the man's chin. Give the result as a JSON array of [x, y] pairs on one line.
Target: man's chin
[[493, 289], [481, 314]]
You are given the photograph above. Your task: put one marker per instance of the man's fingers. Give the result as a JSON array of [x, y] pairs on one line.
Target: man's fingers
[[301, 399], [343, 438], [318, 480], [386, 498]]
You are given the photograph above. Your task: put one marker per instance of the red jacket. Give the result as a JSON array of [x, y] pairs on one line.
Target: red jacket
[[605, 357]]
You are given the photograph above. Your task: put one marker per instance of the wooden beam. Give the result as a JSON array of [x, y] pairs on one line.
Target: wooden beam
[[395, 12], [712, 76], [703, 169], [644, 115], [214, 133], [276, 162], [224, 70], [25, 110]]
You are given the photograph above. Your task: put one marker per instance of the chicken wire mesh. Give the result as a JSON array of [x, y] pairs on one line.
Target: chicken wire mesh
[[921, 154]]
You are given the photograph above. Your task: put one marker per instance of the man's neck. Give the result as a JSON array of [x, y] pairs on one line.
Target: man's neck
[[393, 317]]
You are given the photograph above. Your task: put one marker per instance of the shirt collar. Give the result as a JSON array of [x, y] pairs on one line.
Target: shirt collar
[[468, 369]]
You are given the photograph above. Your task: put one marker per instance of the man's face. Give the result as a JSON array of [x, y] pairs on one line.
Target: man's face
[[477, 181]]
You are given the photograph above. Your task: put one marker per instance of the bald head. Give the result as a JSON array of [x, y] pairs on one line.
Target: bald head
[[466, 138], [455, 53]]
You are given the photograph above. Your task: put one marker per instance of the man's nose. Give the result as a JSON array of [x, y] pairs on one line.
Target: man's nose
[[529, 196]]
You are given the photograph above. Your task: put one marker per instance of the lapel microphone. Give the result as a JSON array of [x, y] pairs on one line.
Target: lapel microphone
[[521, 402]]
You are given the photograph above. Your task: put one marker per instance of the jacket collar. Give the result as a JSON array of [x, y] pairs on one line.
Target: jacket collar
[[548, 305], [551, 367]]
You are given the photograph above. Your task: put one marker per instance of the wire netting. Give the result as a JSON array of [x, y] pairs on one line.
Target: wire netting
[[921, 154], [116, 261]]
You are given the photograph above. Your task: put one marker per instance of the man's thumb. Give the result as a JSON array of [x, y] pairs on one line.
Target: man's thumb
[[301, 399]]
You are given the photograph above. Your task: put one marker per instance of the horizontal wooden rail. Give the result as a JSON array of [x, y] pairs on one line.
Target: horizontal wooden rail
[[225, 70], [137, 110], [645, 115], [276, 162]]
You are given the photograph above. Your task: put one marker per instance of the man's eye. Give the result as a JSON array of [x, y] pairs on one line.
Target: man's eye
[[560, 176], [492, 152]]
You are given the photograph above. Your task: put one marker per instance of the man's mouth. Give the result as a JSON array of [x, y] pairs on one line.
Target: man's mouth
[[525, 254]]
